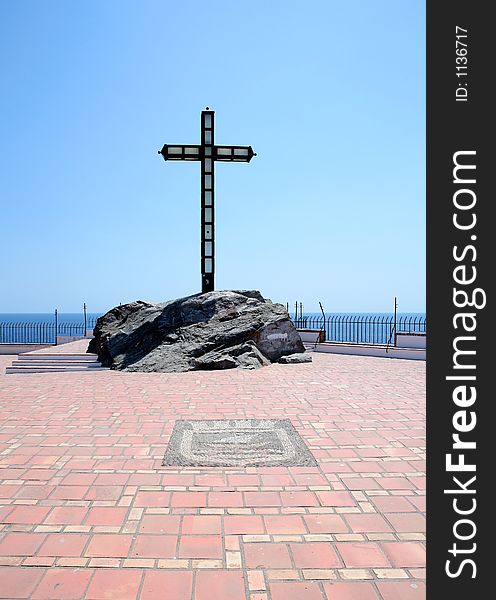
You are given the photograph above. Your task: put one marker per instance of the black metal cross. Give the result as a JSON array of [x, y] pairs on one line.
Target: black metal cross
[[207, 152]]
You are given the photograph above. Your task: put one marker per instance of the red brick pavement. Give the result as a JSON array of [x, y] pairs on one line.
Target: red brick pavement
[[88, 512]]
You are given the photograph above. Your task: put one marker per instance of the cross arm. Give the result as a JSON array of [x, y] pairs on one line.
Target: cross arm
[[195, 152], [234, 153], [180, 152]]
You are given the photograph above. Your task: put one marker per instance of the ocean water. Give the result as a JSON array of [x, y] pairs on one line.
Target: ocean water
[[364, 328]]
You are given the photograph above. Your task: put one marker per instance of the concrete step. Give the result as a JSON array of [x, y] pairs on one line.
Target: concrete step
[[15, 368], [53, 356], [49, 362]]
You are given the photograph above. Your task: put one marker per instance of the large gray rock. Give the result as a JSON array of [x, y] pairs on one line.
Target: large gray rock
[[217, 330]]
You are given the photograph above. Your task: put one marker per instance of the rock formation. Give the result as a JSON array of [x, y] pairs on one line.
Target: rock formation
[[216, 330]]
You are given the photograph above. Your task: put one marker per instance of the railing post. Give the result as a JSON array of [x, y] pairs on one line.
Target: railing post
[[56, 325], [395, 315], [324, 320], [84, 311]]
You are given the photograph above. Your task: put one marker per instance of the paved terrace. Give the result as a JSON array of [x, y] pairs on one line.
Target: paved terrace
[[88, 512]]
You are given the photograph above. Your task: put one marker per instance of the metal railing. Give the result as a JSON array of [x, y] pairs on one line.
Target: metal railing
[[362, 329], [354, 329], [42, 333]]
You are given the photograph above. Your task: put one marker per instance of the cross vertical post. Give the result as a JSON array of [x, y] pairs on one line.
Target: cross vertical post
[[207, 202]]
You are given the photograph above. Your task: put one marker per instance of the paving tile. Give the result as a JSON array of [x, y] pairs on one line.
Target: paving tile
[[309, 479], [243, 524], [63, 544], [407, 523], [395, 483], [154, 546], [405, 554], [335, 498], [325, 523], [338, 467], [398, 466], [201, 524], [362, 555], [367, 523], [419, 482], [114, 584], [27, 514], [152, 499], [176, 585], [110, 479], [299, 499], [220, 584], [189, 499], [80, 463], [361, 483], [225, 499], [63, 584], [69, 492], [315, 555], [366, 467], [387, 504], [418, 501], [401, 590], [109, 545], [104, 492], [262, 499], [8, 491], [267, 556], [4, 512], [173, 479], [281, 524], [21, 544], [160, 524], [145, 479], [211, 480], [243, 480], [66, 515], [277, 479], [18, 582], [35, 492], [36, 474], [112, 516], [79, 479], [295, 590], [200, 546], [350, 590], [256, 580]]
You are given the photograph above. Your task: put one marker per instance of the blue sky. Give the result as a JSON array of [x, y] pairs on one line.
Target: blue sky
[[329, 94]]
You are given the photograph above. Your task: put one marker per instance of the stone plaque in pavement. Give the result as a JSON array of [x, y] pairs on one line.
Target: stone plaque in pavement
[[237, 443]]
